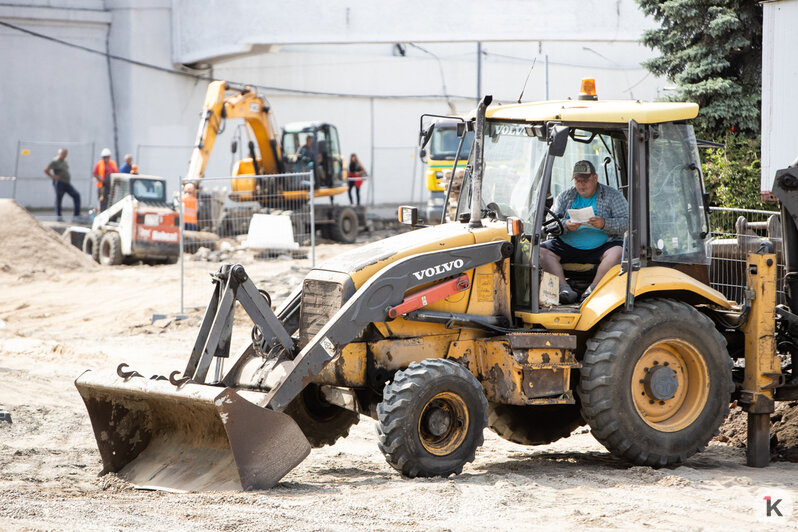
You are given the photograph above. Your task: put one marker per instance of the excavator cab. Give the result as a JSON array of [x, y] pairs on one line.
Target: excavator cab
[[322, 155]]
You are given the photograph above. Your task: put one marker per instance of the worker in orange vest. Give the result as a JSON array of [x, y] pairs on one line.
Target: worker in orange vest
[[190, 207], [102, 173]]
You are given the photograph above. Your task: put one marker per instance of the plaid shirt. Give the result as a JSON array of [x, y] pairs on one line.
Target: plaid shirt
[[610, 205]]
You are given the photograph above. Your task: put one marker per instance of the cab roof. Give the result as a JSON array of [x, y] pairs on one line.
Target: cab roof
[[598, 111]]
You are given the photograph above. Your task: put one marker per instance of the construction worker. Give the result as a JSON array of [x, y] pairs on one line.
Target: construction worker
[[134, 169], [102, 173], [190, 207], [125, 169], [58, 171]]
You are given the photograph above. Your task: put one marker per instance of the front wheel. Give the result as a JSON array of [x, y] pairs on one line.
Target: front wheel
[[656, 382], [111, 249], [431, 419], [91, 245], [321, 422]]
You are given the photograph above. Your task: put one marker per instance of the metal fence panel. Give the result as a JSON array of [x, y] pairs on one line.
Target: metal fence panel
[[34, 190], [235, 224], [736, 233]]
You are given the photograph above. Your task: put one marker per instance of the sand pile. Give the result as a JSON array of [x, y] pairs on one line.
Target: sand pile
[[27, 245], [783, 431]]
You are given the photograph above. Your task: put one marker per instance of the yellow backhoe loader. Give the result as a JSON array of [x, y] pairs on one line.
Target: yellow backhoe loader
[[259, 175], [440, 332]]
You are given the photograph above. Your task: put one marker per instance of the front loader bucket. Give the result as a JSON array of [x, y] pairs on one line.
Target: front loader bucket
[[192, 437]]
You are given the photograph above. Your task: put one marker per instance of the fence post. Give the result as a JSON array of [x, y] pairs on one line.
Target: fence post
[[312, 221], [16, 172], [182, 242]]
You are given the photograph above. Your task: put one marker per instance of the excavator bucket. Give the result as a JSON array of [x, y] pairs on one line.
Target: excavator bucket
[[188, 437]]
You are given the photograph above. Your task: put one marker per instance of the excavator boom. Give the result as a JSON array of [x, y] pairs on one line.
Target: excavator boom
[[222, 101]]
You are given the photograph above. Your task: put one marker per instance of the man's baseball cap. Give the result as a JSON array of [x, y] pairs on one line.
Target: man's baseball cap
[[584, 167]]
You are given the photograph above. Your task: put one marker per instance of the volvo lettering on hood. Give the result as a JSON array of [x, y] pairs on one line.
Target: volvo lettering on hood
[[439, 269]]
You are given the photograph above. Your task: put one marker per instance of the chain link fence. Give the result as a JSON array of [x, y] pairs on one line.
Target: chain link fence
[[736, 233], [30, 186], [243, 219]]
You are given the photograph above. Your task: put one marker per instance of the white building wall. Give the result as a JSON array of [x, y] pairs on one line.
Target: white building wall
[[52, 95], [779, 79], [58, 94]]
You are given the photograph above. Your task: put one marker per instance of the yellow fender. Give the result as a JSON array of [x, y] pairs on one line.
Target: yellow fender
[[610, 293]]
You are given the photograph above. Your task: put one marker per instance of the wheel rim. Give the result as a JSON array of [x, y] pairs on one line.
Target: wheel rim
[[670, 385], [443, 424]]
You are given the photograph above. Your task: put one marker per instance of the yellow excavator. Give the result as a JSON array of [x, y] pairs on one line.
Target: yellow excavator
[[443, 331], [260, 175]]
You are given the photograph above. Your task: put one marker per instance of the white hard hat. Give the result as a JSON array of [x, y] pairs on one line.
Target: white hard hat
[[105, 153]]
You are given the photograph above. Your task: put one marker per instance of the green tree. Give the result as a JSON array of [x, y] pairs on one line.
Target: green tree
[[732, 175], [712, 51]]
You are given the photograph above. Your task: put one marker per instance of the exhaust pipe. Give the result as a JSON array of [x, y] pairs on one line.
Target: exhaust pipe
[[476, 172]]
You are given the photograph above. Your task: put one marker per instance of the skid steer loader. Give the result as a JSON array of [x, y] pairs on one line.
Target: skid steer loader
[[440, 332]]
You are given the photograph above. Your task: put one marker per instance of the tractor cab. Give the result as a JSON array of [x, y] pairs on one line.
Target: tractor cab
[[646, 151], [322, 156]]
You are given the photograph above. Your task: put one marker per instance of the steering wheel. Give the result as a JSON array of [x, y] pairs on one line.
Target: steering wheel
[[552, 219]]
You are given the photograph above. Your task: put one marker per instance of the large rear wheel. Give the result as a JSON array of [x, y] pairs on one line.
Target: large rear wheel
[[431, 419], [656, 382]]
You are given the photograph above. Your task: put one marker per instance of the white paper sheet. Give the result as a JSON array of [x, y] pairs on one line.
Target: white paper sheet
[[581, 216]]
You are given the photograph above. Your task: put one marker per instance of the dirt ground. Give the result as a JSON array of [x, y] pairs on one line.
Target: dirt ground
[[61, 315]]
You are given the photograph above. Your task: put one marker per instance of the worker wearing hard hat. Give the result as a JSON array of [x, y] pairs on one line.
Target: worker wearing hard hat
[[190, 207], [102, 173]]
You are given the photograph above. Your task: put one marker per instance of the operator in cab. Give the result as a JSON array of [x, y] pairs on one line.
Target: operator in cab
[[595, 238]]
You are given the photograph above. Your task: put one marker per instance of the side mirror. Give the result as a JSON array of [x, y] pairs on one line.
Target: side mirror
[[461, 129], [408, 215], [425, 135], [558, 140], [422, 153], [234, 146]]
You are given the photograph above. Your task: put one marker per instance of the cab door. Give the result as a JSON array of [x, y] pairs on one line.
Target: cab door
[[334, 159]]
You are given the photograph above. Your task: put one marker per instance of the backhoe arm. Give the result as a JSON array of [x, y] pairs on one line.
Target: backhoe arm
[[222, 102]]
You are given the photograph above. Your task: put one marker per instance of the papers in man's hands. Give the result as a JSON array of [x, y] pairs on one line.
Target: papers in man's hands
[[581, 216]]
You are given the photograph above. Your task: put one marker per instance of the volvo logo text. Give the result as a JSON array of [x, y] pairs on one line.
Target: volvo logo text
[[440, 268]]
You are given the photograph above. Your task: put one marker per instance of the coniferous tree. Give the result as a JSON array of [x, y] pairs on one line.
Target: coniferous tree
[[712, 51]]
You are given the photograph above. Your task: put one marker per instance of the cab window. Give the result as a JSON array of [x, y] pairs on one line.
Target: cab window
[[678, 226]]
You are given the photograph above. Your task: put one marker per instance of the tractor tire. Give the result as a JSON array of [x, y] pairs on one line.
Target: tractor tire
[[533, 425], [321, 422], [431, 419], [345, 228], [656, 382], [111, 249], [91, 244]]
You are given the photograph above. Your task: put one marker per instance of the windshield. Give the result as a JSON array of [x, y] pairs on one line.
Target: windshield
[[293, 140], [444, 142], [513, 162], [148, 190]]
